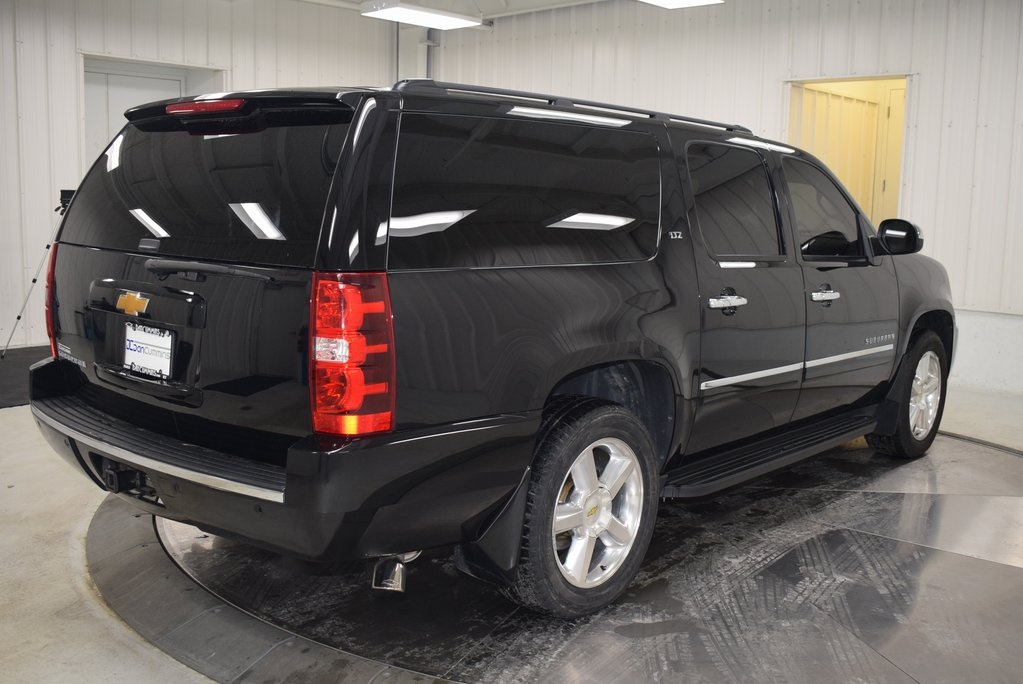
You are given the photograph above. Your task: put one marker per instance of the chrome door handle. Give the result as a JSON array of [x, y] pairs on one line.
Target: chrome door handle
[[726, 302], [825, 295]]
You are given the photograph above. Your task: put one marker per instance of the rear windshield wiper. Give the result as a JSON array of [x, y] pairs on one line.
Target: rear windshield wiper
[[194, 270]]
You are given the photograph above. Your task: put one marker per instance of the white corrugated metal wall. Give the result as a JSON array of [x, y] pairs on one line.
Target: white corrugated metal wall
[[258, 43], [963, 169]]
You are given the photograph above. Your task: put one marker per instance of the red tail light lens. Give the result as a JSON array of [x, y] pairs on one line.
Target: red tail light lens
[[205, 106], [51, 327], [351, 374]]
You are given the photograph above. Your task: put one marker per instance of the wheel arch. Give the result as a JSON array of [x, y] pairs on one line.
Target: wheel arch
[[941, 321], [643, 387]]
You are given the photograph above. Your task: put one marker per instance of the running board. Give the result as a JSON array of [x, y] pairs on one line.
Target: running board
[[730, 468]]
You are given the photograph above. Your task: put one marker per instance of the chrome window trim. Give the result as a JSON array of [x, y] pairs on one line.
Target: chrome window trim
[[755, 375], [132, 459], [849, 355]]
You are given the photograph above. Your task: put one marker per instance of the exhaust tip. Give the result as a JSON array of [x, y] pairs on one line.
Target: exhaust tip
[[389, 572]]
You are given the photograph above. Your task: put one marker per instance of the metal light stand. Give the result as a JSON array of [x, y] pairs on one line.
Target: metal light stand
[[65, 200]]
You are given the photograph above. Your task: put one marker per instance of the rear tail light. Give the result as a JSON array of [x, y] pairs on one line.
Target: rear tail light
[[351, 374], [51, 313]]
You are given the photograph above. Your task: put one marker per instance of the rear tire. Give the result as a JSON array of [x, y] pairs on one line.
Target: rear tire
[[922, 378], [590, 512]]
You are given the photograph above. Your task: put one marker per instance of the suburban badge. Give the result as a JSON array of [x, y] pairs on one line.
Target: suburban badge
[[879, 339]]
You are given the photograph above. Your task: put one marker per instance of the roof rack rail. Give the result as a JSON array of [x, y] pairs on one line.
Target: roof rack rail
[[425, 85]]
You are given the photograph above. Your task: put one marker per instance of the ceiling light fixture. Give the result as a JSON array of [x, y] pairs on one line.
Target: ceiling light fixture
[[682, 4], [256, 220], [592, 222], [152, 226], [404, 13]]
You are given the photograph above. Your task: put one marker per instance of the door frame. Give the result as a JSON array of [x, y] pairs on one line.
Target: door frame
[[217, 77], [908, 125]]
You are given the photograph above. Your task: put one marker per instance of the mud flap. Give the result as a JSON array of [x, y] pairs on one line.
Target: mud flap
[[494, 556]]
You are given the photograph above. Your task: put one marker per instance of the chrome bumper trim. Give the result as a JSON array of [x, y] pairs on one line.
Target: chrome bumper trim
[[145, 463]]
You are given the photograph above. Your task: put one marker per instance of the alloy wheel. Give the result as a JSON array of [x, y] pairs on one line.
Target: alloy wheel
[[598, 512], [925, 395]]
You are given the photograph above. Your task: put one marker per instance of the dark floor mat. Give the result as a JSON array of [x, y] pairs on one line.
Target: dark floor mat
[[14, 374]]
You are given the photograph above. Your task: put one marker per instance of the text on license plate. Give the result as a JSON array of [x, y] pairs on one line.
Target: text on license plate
[[148, 350]]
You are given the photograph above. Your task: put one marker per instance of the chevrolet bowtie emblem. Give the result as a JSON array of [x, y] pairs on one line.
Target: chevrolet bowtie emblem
[[132, 303]]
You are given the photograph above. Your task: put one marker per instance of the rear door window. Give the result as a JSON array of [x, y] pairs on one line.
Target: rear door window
[[734, 201], [255, 197], [488, 192]]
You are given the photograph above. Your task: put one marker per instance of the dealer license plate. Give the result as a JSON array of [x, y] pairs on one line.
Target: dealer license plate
[[148, 350]]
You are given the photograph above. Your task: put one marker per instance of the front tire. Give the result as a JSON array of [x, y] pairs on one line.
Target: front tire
[[922, 378], [590, 512]]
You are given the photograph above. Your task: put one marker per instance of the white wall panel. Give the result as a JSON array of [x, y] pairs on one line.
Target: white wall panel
[[963, 164], [11, 265], [259, 44], [963, 172]]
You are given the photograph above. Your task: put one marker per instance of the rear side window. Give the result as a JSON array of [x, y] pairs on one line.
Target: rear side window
[[826, 223], [254, 197], [734, 201], [484, 192]]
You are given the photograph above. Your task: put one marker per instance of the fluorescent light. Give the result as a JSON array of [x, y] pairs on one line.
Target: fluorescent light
[[592, 222], [151, 225], [404, 13], [761, 144], [534, 113], [114, 153], [353, 247], [682, 4], [421, 224], [256, 220]]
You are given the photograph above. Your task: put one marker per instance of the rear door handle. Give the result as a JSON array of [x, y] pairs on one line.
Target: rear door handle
[[726, 302]]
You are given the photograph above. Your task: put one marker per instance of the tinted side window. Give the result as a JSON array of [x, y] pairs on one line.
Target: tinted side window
[[734, 201], [479, 192], [826, 224]]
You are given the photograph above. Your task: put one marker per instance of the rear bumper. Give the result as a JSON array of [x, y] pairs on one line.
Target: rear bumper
[[334, 499]]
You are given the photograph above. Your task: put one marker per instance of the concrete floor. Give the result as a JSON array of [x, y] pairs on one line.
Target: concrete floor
[[994, 417], [54, 626]]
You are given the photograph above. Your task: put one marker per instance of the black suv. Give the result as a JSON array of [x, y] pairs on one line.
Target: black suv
[[362, 323]]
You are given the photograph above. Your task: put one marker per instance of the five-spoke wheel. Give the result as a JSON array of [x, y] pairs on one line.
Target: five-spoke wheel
[[915, 417], [597, 513], [590, 511], [925, 395]]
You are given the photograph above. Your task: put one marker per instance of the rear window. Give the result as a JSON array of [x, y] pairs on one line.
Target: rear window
[[486, 192], [254, 197]]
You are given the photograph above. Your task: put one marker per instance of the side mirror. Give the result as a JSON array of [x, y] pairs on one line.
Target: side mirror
[[899, 237]]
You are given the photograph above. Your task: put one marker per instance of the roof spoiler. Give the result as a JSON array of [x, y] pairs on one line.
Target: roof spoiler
[[246, 112]]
